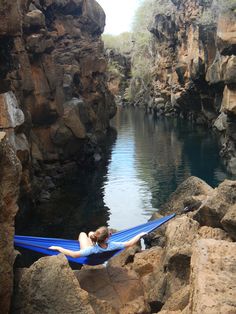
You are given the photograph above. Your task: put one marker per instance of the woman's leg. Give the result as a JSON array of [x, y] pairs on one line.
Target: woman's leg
[[84, 240]]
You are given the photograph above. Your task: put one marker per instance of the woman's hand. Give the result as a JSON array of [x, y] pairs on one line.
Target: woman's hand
[[53, 247], [135, 239], [91, 233], [142, 234]]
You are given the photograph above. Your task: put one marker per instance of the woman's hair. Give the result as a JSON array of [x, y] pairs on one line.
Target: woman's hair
[[100, 235]]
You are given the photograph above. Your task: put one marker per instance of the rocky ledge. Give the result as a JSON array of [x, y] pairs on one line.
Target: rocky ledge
[[189, 267]]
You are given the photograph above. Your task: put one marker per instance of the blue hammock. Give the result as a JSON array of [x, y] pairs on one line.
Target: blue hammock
[[41, 244]]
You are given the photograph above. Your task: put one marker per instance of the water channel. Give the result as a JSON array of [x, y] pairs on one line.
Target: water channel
[[144, 165]]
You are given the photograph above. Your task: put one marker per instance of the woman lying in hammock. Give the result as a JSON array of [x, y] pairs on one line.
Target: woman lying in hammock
[[97, 242]]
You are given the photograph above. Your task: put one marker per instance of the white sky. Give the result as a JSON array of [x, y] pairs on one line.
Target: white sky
[[119, 15]]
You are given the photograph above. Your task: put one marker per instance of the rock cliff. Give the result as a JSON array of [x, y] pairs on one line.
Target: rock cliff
[[52, 65], [194, 65], [55, 105]]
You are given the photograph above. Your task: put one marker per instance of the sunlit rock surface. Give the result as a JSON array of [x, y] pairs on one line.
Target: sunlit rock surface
[[213, 277]]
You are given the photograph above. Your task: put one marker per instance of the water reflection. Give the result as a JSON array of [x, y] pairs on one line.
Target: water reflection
[[150, 159]]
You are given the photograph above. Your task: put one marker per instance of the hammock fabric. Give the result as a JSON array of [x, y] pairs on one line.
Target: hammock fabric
[[41, 244]]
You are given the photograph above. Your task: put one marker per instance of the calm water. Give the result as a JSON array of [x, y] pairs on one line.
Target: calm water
[[150, 158], [144, 165]]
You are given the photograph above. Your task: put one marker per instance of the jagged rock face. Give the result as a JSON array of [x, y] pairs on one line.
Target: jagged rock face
[[195, 66], [53, 62]]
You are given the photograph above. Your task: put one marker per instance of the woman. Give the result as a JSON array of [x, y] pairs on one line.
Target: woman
[[97, 242]]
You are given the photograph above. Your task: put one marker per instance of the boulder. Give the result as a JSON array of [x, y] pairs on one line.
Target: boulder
[[50, 286], [213, 233], [216, 71], [38, 43], [180, 233], [137, 306], [155, 286], [229, 221], [71, 118], [115, 285], [11, 115], [228, 104], [146, 261], [222, 70], [217, 205], [226, 29], [124, 258], [101, 306], [95, 15], [192, 187], [221, 122], [178, 300], [213, 277], [230, 72], [22, 148], [172, 267], [159, 100], [34, 19], [60, 134], [2, 136]]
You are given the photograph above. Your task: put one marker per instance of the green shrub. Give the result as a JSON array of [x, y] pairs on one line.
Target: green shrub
[[121, 43], [114, 69]]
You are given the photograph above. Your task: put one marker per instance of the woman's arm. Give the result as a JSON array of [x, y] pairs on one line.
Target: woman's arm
[[65, 251], [134, 239]]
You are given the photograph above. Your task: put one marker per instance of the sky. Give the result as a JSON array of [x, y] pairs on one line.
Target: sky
[[119, 15]]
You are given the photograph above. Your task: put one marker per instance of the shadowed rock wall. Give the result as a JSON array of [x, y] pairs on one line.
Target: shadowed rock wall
[[194, 66], [52, 62]]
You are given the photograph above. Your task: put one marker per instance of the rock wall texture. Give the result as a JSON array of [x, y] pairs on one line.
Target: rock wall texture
[[190, 268], [52, 63], [194, 66], [55, 105]]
